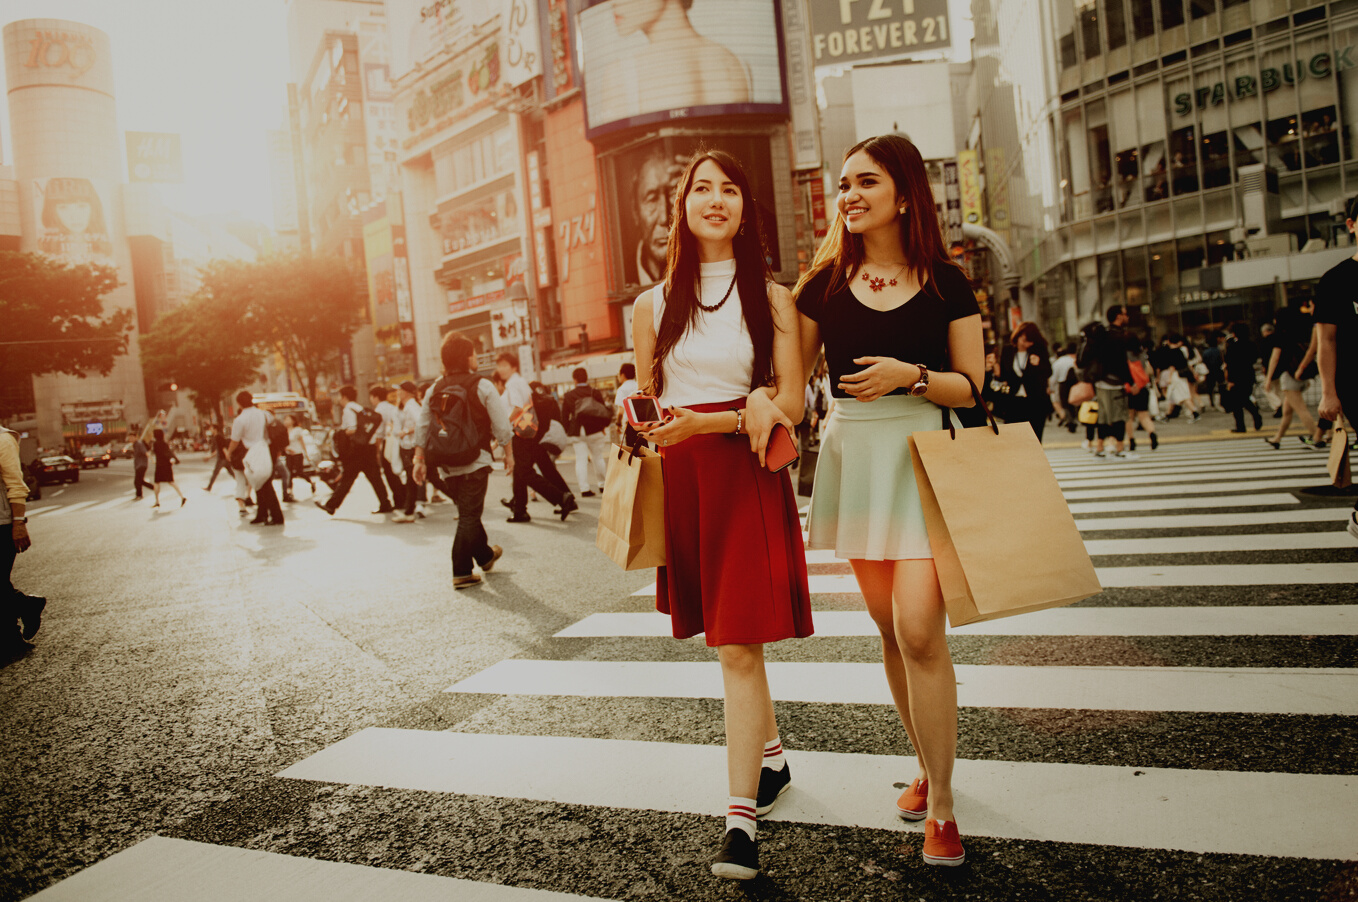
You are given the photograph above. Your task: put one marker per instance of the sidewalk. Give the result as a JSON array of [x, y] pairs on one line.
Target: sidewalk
[[1215, 425]]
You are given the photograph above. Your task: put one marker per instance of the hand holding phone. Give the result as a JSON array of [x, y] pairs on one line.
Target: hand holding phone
[[644, 413], [781, 451]]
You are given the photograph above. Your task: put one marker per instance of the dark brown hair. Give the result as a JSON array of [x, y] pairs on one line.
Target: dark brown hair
[[1030, 331], [682, 272], [455, 352], [921, 238]]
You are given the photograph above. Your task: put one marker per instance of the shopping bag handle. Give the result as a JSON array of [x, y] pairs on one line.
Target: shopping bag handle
[[976, 395], [632, 443]]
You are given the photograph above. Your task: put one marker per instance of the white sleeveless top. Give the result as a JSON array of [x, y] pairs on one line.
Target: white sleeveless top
[[714, 361]]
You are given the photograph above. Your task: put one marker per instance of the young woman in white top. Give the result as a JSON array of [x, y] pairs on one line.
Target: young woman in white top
[[717, 343], [902, 336]]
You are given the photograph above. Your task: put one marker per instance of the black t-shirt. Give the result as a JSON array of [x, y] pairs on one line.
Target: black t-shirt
[[1337, 305], [915, 332]]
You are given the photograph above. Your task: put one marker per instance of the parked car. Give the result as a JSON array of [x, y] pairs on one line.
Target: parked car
[[95, 456], [54, 468]]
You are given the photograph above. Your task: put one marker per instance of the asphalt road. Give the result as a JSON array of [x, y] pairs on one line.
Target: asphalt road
[[219, 711]]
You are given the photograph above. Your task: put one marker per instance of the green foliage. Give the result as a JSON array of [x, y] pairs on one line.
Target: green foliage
[[207, 347], [53, 319]]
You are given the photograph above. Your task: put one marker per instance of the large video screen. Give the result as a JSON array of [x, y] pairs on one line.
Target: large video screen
[[647, 61], [645, 180]]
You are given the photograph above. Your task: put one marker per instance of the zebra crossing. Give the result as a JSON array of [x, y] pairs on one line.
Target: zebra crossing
[[1169, 533]]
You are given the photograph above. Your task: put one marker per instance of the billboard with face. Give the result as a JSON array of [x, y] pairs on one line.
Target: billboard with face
[[646, 179], [646, 61], [72, 225]]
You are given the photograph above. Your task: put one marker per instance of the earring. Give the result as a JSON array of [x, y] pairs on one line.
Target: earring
[[742, 229], [901, 211]]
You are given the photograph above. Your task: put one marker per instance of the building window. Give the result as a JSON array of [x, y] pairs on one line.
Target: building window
[[1143, 19], [1171, 13], [1201, 9], [1150, 117], [1164, 281], [1100, 171], [1115, 23], [1216, 162], [1065, 34], [1075, 154], [1126, 158], [1183, 160], [1089, 28]]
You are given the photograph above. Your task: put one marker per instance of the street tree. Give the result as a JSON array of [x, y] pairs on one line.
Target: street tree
[[207, 347], [305, 308], [53, 320]]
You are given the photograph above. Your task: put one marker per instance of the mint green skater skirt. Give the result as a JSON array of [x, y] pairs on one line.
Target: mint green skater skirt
[[865, 504]]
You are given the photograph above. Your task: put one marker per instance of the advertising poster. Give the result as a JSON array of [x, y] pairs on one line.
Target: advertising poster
[[849, 31], [72, 219], [646, 179], [645, 61], [154, 157], [969, 182]]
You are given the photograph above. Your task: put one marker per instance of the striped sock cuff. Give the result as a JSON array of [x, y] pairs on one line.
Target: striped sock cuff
[[740, 815], [773, 749]]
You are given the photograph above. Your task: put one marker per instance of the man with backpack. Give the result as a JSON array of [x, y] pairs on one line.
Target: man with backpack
[[586, 420], [460, 414], [359, 428], [1102, 359], [248, 430]]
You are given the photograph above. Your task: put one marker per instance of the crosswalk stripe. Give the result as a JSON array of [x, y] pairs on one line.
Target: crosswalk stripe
[[1159, 808], [1158, 459], [1199, 521], [1190, 466], [108, 505], [1208, 450], [161, 869], [1110, 506], [1253, 620], [70, 508], [1280, 541], [1200, 488], [1149, 576], [1172, 478], [1254, 690]]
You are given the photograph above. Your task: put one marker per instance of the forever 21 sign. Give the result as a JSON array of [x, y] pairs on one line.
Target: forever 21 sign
[[846, 31]]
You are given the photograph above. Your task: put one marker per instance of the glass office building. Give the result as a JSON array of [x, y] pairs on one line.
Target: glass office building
[[1133, 135]]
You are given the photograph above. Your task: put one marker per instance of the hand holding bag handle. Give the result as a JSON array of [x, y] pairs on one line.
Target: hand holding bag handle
[[976, 395]]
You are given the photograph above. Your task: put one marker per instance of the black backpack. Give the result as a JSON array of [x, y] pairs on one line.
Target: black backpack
[[1089, 352], [461, 426], [591, 412], [369, 421], [278, 436]]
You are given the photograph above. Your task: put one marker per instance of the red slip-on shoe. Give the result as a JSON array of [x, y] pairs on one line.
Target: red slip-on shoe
[[942, 845], [913, 804]]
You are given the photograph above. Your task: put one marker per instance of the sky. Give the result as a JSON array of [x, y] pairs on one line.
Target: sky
[[213, 71]]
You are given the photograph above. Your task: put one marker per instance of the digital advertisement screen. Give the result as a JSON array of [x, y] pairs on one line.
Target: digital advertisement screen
[[647, 61], [646, 179]]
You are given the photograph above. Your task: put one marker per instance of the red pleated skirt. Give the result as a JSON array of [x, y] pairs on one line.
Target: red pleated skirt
[[737, 562]]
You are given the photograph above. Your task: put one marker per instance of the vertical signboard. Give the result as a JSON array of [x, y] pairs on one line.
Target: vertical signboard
[[952, 206], [522, 59], [819, 224], [969, 186], [154, 157], [801, 86], [997, 188]]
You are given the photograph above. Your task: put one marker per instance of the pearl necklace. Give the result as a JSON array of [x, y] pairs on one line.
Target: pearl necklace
[[713, 309], [877, 284]]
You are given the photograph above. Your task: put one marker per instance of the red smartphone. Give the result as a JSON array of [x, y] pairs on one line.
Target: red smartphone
[[781, 451], [644, 413]]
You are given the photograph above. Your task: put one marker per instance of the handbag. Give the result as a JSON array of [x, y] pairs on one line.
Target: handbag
[[1341, 472], [632, 515], [258, 465], [525, 421], [1089, 413], [1080, 392], [986, 567]]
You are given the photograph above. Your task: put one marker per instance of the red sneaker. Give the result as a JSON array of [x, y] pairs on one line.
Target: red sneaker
[[942, 845], [913, 804]]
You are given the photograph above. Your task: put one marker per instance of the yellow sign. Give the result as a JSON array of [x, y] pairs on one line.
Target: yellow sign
[[969, 183]]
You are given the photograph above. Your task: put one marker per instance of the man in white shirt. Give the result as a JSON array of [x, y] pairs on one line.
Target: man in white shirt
[[586, 418], [406, 425], [627, 387], [380, 396], [529, 456], [358, 454], [250, 429]]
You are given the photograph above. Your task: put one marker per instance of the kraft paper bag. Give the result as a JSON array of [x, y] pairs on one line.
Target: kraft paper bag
[[1341, 473], [1003, 537], [632, 517]]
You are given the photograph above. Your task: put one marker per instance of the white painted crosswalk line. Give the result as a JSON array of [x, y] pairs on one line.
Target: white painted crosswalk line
[[69, 508], [1253, 620], [1153, 808], [1246, 690], [109, 505], [1147, 460], [1197, 488], [1199, 521], [1160, 479], [1283, 541], [161, 869], [1138, 467], [1123, 505]]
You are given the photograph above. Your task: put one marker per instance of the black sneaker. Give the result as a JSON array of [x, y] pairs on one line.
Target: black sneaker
[[1155, 441], [519, 518], [587, 494], [30, 612], [567, 505], [738, 858], [323, 507], [1131, 444], [772, 784]]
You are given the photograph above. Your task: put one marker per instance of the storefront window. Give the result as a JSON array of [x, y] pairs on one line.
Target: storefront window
[[1150, 117], [1087, 290], [465, 225], [1219, 248], [1088, 13], [1100, 171], [1282, 130], [1134, 277], [1110, 279], [1076, 175], [1143, 19], [1316, 93], [472, 162], [1192, 253], [1126, 158], [1164, 281], [1171, 13], [1183, 165]]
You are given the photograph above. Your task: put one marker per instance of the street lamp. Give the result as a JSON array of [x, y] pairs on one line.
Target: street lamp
[[518, 296]]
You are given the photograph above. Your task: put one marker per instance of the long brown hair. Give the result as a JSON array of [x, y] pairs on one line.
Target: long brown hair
[[682, 273], [921, 238]]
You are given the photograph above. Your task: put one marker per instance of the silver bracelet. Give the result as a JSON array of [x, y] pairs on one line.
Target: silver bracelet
[[740, 419]]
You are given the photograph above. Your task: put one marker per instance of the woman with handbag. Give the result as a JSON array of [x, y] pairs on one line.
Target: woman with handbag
[[1027, 368], [716, 342], [902, 334]]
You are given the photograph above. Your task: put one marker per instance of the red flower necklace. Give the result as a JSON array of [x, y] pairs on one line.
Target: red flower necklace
[[877, 284]]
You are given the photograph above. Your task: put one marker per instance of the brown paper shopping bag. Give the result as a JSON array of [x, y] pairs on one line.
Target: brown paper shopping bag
[[632, 517], [1003, 538], [1341, 472]]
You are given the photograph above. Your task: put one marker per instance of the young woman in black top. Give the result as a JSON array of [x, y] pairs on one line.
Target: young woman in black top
[[902, 336], [1027, 368], [165, 460]]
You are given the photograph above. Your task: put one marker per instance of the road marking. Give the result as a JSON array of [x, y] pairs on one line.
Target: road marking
[[1160, 504], [1198, 521], [79, 505], [1158, 460], [109, 505], [1201, 488], [1277, 541], [1205, 450], [1245, 690], [1133, 469], [34, 511], [1172, 478], [161, 869], [1150, 808], [1290, 620]]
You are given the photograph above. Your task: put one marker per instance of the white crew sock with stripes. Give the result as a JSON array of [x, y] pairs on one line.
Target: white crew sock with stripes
[[740, 815], [773, 754]]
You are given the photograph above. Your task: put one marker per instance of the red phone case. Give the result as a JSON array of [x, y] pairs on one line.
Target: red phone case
[[647, 425], [781, 452]]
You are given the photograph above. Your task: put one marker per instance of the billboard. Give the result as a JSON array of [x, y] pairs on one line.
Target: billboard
[[73, 224], [851, 31], [645, 179], [154, 157], [645, 61], [969, 183]]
